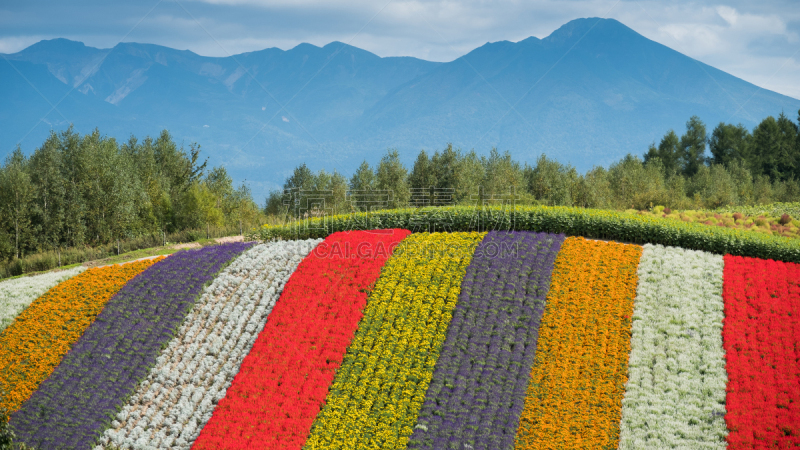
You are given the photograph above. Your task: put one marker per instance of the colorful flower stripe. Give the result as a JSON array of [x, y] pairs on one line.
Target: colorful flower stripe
[[762, 341], [578, 378], [675, 396], [478, 388], [83, 395], [192, 374], [283, 381], [32, 346], [380, 388], [17, 294]]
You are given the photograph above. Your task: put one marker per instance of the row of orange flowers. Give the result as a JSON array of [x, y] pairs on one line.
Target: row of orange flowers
[[32, 346], [574, 397]]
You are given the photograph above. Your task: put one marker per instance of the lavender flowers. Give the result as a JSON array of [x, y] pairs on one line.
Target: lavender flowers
[[478, 388], [80, 399]]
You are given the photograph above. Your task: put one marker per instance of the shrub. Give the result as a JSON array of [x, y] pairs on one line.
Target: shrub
[[737, 216], [785, 219], [591, 223], [6, 434], [667, 211]]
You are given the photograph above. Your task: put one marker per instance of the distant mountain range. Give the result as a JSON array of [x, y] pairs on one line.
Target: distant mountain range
[[591, 92]]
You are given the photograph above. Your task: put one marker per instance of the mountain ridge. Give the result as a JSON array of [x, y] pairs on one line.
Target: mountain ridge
[[587, 94]]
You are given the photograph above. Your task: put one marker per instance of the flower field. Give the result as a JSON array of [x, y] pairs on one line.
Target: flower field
[[17, 294], [762, 342], [388, 339], [32, 346]]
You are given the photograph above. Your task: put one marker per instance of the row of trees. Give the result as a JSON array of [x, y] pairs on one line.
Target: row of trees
[[743, 168], [76, 191]]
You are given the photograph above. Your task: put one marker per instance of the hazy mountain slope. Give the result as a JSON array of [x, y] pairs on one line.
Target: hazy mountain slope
[[587, 94]]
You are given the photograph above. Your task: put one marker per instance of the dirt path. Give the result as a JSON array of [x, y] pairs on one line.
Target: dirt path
[[222, 240]]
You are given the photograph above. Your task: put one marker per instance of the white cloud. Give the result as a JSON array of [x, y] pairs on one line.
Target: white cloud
[[13, 44]]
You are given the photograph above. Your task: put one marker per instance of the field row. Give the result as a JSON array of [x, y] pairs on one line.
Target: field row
[[387, 339]]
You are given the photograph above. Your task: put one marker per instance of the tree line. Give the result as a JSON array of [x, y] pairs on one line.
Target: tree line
[[90, 190], [732, 166]]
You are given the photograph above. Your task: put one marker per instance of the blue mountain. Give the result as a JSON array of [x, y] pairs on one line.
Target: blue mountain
[[591, 92]]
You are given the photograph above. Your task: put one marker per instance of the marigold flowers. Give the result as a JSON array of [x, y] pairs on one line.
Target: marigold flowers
[[32, 346], [578, 379]]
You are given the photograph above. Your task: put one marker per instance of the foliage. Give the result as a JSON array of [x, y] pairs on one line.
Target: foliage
[[472, 401], [52, 259], [578, 378], [770, 210], [783, 225], [78, 401], [677, 364], [78, 190], [761, 335], [381, 384], [35, 343], [282, 383], [198, 365], [591, 223]]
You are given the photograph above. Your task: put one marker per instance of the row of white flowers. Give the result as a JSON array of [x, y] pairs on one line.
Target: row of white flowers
[[192, 374], [17, 294], [675, 395]]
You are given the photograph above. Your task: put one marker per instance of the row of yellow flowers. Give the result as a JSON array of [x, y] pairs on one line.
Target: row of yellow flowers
[[380, 387], [32, 346], [574, 398]]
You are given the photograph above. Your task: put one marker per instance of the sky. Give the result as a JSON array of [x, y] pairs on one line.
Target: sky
[[756, 41]]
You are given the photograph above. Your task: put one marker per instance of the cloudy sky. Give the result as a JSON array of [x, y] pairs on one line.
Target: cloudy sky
[[757, 41]]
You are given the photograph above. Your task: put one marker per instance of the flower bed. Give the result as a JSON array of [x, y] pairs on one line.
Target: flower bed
[[381, 385], [572, 221], [578, 378], [478, 388], [675, 396], [762, 340], [83, 395], [283, 381], [17, 294], [192, 374], [33, 345]]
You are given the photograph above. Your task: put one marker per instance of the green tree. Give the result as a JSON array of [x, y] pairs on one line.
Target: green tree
[[669, 151], [693, 146], [362, 181], [49, 194], [17, 199], [392, 176], [469, 176], [729, 143], [502, 177], [423, 174], [551, 182]]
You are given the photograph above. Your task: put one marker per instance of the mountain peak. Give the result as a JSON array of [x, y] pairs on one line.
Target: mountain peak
[[57, 45], [578, 28]]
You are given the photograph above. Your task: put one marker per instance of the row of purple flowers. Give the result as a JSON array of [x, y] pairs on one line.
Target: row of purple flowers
[[478, 388], [79, 400]]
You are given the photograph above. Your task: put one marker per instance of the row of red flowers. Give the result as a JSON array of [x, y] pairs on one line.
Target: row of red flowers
[[284, 380], [761, 336]]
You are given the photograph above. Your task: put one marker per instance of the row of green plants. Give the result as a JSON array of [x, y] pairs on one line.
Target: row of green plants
[[58, 258], [590, 223]]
